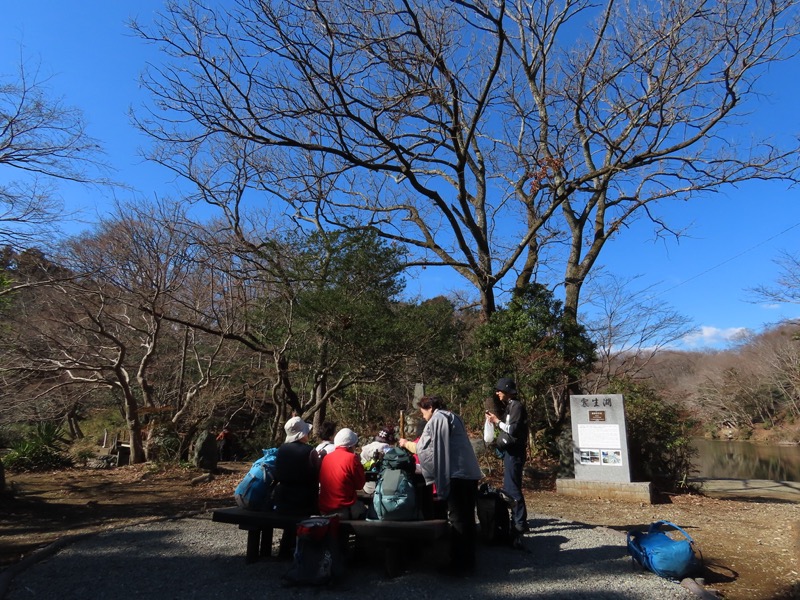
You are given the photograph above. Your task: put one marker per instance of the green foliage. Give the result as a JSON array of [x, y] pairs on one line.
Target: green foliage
[[346, 303], [342, 324], [30, 456], [82, 453], [434, 337], [50, 435], [659, 437], [43, 449], [164, 446], [532, 341], [5, 283], [96, 423]]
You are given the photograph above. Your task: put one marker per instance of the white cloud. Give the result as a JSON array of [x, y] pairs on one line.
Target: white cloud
[[713, 337]]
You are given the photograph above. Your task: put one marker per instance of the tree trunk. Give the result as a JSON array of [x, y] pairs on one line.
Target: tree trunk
[[488, 305], [73, 423], [134, 425]]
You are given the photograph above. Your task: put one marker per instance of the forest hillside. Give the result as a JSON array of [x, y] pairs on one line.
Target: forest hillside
[[751, 391]]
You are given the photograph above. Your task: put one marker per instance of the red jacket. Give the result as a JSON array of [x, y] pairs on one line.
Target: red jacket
[[341, 475]]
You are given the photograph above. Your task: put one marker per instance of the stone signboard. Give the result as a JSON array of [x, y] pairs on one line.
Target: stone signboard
[[600, 438]]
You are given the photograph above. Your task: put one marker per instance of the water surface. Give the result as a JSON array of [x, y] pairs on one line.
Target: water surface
[[745, 460]]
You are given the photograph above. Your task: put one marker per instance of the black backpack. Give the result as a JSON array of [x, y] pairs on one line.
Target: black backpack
[[494, 516], [317, 555]]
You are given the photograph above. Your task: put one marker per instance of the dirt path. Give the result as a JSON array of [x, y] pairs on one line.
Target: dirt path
[[751, 547]]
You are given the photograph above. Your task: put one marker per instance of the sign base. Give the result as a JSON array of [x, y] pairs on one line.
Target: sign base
[[636, 491]]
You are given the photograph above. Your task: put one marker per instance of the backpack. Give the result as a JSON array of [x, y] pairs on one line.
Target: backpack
[[655, 551], [254, 492], [395, 497], [494, 516], [317, 555]]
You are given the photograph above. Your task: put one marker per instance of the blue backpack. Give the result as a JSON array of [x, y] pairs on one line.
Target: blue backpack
[[395, 498], [254, 492], [655, 551]]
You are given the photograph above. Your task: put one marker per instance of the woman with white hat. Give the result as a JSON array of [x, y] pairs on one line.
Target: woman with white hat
[[341, 475], [296, 471], [297, 478]]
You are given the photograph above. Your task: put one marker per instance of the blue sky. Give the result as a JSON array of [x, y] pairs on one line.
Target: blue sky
[[92, 60]]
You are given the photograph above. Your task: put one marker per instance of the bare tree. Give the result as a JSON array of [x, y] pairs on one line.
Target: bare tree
[[183, 310], [784, 373], [43, 141], [786, 289], [629, 326], [103, 328], [494, 138]]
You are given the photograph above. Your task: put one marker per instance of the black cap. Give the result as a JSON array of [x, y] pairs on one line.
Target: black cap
[[506, 385]]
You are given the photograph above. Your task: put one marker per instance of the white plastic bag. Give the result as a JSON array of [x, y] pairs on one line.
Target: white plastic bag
[[488, 431]]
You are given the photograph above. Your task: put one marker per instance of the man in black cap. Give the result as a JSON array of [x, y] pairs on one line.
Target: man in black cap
[[513, 442]]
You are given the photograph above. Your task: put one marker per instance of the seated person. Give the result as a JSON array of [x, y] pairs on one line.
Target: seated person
[[380, 444], [431, 508], [375, 451], [296, 471], [325, 435], [297, 478], [341, 475]]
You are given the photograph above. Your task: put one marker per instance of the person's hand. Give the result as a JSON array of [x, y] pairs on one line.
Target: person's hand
[[402, 442], [492, 418]]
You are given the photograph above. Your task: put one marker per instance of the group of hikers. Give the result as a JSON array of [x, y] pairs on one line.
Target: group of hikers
[[331, 478]]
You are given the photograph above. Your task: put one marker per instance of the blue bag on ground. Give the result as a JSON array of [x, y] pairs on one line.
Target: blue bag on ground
[[395, 497], [254, 492], [670, 558]]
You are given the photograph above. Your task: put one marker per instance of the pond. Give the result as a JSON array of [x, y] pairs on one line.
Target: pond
[[744, 460]]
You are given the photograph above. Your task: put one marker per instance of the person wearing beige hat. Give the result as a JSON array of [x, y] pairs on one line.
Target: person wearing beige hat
[[297, 478], [341, 475]]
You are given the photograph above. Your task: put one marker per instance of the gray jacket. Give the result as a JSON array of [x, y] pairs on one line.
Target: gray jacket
[[446, 453]]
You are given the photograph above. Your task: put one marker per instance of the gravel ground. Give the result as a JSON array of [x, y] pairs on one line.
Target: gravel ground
[[195, 558]]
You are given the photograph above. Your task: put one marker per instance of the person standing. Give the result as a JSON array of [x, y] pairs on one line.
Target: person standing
[[341, 476], [226, 441], [515, 425], [448, 462]]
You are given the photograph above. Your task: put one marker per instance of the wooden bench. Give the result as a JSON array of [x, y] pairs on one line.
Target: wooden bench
[[259, 526], [392, 536]]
